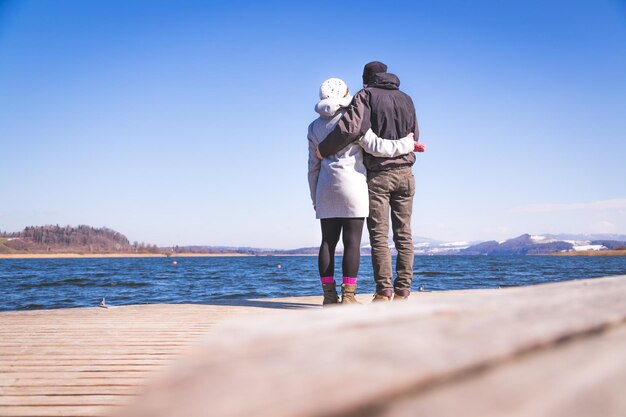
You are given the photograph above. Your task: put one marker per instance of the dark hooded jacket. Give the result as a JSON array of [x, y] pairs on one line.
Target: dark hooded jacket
[[385, 109]]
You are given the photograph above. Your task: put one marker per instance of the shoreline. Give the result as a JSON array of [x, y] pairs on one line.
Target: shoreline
[[115, 255]]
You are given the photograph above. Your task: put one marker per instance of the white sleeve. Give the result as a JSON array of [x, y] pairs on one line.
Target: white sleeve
[[377, 146], [314, 166]]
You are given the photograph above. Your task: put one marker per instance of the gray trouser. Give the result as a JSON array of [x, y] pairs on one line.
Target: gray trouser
[[391, 190]]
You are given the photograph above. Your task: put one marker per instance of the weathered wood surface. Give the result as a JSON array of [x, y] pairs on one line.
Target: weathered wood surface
[[549, 350], [89, 361], [585, 378]]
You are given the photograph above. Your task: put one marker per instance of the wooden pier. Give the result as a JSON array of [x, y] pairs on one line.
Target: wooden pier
[[546, 350], [89, 361]]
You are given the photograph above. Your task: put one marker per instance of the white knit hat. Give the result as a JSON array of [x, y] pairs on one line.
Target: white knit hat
[[333, 88]]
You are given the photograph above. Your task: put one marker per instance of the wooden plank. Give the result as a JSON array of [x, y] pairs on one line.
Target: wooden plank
[[350, 361], [40, 335], [165, 343], [59, 411], [55, 350], [78, 359], [47, 369], [123, 390], [74, 375], [78, 356], [59, 382], [67, 400], [581, 379]]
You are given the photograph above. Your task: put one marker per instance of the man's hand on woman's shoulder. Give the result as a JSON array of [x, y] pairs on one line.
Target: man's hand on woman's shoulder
[[417, 147]]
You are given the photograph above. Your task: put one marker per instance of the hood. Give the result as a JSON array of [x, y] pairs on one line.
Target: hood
[[385, 80], [330, 106]]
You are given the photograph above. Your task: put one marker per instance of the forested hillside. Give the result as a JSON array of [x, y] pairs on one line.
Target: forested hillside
[[60, 239]]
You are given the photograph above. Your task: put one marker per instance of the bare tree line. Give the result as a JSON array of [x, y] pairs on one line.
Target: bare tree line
[[82, 238]]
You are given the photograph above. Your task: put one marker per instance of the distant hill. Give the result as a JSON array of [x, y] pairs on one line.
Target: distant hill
[[610, 244], [521, 245], [66, 239], [589, 237], [244, 250], [424, 246]]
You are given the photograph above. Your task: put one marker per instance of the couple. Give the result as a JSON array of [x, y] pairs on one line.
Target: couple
[[360, 158]]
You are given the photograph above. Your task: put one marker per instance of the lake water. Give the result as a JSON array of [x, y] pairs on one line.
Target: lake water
[[56, 283]]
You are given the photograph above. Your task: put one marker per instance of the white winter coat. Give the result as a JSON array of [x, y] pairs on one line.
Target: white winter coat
[[338, 183]]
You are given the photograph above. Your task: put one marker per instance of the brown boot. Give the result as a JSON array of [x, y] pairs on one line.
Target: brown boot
[[330, 294], [401, 295], [347, 294], [384, 295]]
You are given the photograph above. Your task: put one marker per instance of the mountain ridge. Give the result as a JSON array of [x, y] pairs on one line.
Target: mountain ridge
[[87, 239]]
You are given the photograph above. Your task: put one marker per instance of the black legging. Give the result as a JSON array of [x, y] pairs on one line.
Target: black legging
[[331, 229]]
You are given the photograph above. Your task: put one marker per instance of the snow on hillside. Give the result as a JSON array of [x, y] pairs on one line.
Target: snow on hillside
[[589, 247], [541, 239]]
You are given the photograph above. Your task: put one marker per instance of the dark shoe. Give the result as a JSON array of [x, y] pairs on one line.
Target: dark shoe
[[401, 295], [347, 294], [330, 294], [384, 295]]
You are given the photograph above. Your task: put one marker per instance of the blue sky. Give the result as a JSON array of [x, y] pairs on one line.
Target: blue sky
[[178, 122]]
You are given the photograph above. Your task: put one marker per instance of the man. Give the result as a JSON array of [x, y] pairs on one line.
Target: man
[[390, 113]]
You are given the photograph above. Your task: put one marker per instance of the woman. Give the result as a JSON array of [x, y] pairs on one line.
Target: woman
[[338, 186]]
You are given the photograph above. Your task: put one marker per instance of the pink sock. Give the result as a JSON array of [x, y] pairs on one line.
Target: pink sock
[[327, 280], [349, 281]]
